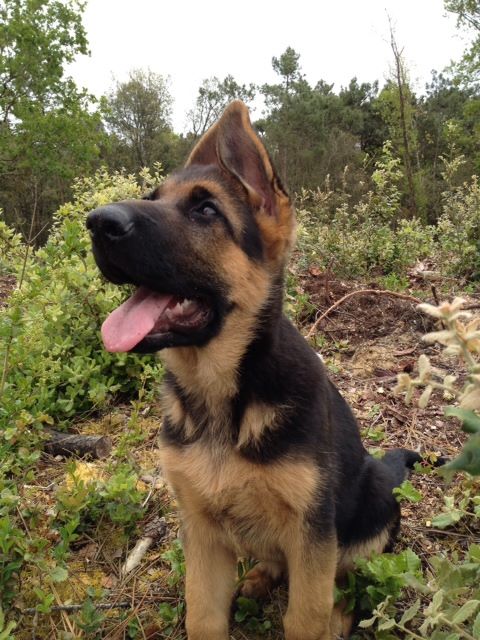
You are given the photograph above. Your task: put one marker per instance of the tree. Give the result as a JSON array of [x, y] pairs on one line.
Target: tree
[[37, 39], [308, 129], [48, 133], [405, 119], [362, 117], [138, 115], [213, 97], [468, 17]]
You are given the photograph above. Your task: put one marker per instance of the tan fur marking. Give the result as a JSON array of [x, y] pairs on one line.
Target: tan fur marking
[[346, 560], [257, 418], [311, 577], [258, 509], [210, 580], [260, 580], [172, 407], [278, 233]]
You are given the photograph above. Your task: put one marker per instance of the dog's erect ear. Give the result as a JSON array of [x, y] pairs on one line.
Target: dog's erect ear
[[232, 144]]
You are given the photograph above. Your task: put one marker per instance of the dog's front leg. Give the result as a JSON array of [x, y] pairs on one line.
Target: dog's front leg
[[210, 582], [311, 579]]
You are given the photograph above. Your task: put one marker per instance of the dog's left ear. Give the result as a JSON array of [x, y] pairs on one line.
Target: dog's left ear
[[232, 144]]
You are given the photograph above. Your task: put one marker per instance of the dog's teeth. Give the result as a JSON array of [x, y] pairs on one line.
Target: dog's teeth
[[186, 304]]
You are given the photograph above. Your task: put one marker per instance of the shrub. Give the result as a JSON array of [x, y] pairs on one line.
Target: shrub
[[458, 230], [369, 235], [12, 249], [56, 366]]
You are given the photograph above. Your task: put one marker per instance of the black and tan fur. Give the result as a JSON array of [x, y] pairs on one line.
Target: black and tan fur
[[262, 452]]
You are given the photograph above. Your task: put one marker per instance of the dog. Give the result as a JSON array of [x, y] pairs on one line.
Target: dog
[[262, 452]]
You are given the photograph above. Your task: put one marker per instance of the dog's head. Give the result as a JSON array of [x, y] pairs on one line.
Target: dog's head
[[208, 244]]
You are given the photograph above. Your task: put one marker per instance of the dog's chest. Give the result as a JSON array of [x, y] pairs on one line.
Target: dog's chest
[[253, 505]]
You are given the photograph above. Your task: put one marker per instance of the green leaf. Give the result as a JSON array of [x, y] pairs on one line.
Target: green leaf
[[466, 611], [386, 624], [410, 613], [469, 458], [59, 574], [469, 419], [406, 491], [365, 624], [476, 627], [446, 518]]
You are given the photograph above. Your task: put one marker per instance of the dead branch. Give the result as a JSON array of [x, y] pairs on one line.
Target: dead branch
[[68, 444], [155, 531]]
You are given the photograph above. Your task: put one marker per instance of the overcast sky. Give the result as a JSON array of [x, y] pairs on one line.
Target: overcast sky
[[190, 41]]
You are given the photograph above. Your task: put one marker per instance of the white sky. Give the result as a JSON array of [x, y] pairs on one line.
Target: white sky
[[192, 40]]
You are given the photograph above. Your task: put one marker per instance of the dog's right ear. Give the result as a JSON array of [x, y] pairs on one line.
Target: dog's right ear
[[233, 146]]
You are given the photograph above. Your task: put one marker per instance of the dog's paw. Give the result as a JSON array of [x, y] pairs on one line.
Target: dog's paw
[[260, 580]]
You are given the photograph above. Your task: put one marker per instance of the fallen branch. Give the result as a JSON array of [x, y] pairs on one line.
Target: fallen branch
[[155, 531], [68, 444], [376, 292]]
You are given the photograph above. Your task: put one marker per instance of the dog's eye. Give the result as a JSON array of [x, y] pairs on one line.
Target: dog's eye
[[207, 210]]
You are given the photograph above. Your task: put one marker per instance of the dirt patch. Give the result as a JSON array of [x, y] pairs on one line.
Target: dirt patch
[[363, 316]]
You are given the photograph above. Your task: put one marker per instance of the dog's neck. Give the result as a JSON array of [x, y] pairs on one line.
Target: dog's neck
[[213, 373]]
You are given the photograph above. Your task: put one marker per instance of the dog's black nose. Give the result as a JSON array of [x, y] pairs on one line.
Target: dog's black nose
[[113, 221]]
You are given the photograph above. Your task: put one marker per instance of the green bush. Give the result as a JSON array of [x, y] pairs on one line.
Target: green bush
[[56, 366], [371, 235], [12, 249], [458, 231]]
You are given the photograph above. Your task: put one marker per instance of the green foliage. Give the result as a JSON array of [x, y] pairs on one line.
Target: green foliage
[[381, 577], [213, 96], [468, 17], [49, 132], [370, 235], [137, 113], [462, 340], [56, 364], [249, 615], [12, 549], [54, 367], [37, 39], [82, 502], [459, 230], [463, 504], [90, 619], [6, 627], [176, 559], [12, 249], [447, 598], [171, 614], [406, 491]]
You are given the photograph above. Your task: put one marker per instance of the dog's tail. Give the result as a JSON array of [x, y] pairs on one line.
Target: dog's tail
[[401, 461]]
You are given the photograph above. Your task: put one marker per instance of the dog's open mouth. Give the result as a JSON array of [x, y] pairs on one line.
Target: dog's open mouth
[[151, 315]]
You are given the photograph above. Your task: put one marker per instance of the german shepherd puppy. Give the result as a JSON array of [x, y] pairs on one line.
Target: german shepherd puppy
[[261, 450]]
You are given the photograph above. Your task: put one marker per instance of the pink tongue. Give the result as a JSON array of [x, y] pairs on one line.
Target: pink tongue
[[130, 323]]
